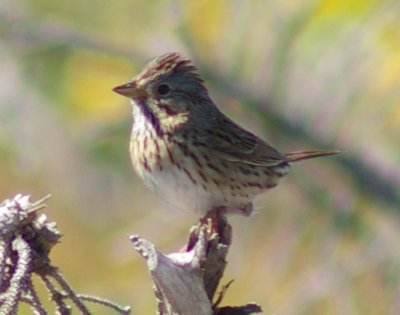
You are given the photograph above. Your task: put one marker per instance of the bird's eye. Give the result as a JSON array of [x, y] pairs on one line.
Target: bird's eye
[[163, 89]]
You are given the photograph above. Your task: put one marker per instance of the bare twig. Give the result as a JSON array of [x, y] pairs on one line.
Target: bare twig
[[26, 239], [125, 310], [33, 300]]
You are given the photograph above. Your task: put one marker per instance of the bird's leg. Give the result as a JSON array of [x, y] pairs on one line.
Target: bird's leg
[[214, 221]]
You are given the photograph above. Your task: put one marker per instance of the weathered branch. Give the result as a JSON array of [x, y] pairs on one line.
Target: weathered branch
[[186, 282]]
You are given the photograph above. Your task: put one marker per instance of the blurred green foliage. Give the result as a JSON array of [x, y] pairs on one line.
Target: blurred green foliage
[[303, 74]]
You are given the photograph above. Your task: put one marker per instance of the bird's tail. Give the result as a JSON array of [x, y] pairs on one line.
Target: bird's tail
[[304, 155]]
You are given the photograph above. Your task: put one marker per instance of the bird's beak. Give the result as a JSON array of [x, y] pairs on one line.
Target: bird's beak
[[131, 90]]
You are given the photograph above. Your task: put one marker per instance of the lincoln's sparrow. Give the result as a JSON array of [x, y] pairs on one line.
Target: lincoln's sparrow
[[183, 147]]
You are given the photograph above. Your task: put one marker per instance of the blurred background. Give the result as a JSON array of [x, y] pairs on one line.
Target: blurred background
[[301, 74]]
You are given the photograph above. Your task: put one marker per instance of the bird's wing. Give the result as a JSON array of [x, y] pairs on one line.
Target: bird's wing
[[232, 143]]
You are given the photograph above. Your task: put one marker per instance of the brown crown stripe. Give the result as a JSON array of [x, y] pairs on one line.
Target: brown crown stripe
[[169, 63]]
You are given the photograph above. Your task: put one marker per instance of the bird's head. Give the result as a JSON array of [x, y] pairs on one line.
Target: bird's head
[[168, 86]]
